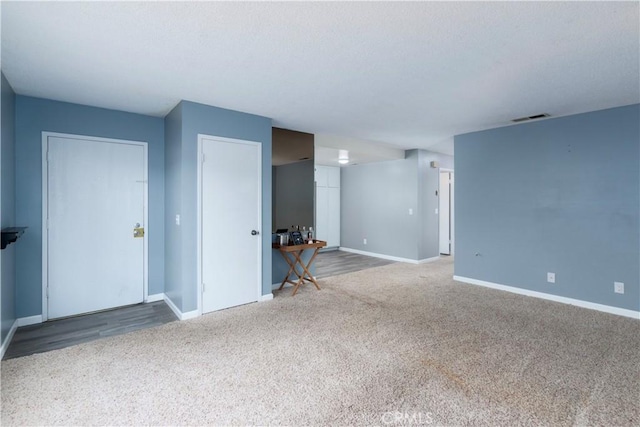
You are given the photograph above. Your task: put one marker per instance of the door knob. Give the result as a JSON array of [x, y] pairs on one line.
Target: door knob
[[254, 232]]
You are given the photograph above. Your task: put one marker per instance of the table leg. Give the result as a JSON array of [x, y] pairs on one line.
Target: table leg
[[298, 261], [306, 268], [291, 269], [302, 276]]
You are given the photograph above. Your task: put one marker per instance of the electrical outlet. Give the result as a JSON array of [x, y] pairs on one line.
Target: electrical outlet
[[551, 277], [618, 287], [364, 241]]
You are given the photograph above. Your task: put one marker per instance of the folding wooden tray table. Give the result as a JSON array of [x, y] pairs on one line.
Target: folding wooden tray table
[[295, 259]]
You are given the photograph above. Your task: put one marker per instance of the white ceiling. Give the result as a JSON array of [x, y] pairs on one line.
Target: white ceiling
[[328, 147], [407, 74]]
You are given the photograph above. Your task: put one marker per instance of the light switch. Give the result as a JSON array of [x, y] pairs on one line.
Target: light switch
[[410, 211], [436, 211], [177, 219]]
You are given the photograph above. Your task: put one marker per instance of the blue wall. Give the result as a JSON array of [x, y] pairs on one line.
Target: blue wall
[[203, 119], [173, 205], [7, 216], [375, 199], [33, 116], [559, 195]]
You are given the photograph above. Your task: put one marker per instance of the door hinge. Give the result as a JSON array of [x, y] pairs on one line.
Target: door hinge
[[202, 160], [203, 287]]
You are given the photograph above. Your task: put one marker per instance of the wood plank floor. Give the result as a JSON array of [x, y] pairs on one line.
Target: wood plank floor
[[333, 263], [63, 333]]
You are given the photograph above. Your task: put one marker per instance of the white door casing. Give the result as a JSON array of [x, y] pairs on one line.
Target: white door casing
[[229, 222], [94, 193], [452, 216]]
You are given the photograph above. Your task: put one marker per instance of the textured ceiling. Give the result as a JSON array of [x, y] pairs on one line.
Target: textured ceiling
[[407, 74]]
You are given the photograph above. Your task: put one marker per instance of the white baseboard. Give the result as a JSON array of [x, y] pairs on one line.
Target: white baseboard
[[266, 297], [426, 260], [8, 338], [190, 315], [388, 257], [31, 320], [173, 307], [571, 301], [275, 286], [182, 316], [154, 298]]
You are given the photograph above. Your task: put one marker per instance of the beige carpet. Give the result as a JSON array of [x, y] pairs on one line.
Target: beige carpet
[[399, 344]]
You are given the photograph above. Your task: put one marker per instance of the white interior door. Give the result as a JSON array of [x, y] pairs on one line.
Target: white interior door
[[95, 195], [444, 212], [231, 195]]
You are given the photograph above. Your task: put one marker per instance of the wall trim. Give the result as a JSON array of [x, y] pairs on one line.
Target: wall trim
[[191, 315], [154, 298], [31, 320], [275, 286], [556, 298], [182, 316], [426, 260], [8, 338], [388, 257], [173, 307], [266, 297]]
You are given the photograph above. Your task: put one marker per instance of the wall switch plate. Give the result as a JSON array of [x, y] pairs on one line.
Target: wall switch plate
[[178, 219], [436, 211], [551, 277], [618, 287], [410, 211], [364, 241]]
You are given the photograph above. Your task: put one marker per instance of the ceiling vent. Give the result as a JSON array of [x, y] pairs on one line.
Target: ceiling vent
[[534, 117]]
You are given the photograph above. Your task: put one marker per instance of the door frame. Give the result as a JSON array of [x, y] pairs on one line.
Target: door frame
[[201, 138], [451, 212], [45, 209]]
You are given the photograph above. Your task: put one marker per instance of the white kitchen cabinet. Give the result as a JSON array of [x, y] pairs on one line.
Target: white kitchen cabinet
[[327, 207], [333, 177]]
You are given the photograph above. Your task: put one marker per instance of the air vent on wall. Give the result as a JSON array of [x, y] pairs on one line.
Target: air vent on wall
[[534, 117]]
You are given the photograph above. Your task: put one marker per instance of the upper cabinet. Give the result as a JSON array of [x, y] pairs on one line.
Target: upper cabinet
[[321, 176], [327, 176], [333, 177]]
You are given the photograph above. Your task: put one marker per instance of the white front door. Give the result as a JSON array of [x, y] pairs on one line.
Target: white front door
[[94, 196], [444, 212], [231, 217]]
